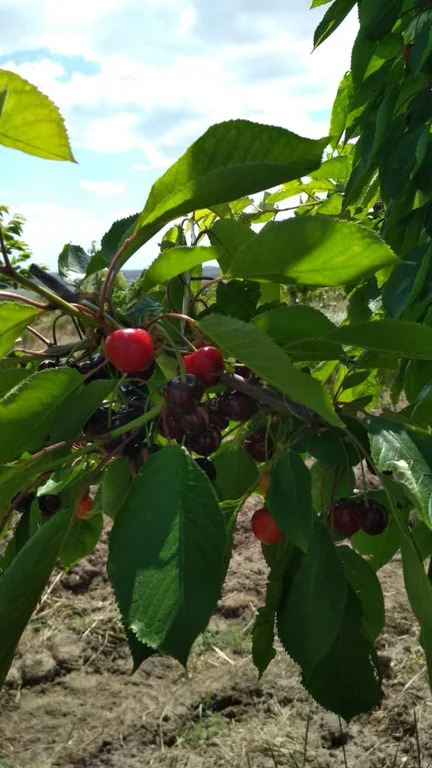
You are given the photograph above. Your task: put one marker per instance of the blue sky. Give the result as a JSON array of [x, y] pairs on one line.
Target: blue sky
[[137, 81]]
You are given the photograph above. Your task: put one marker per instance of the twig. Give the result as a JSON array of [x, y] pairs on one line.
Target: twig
[[205, 288], [109, 275], [24, 299], [4, 253], [53, 283], [39, 335], [177, 315], [277, 402]]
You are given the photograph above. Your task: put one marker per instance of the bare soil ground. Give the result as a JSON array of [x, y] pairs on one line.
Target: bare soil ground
[[71, 702]]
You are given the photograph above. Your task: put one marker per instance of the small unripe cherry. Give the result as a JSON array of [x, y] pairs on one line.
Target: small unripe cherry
[[84, 506], [264, 527]]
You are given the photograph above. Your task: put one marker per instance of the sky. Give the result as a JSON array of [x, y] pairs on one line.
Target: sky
[[137, 81]]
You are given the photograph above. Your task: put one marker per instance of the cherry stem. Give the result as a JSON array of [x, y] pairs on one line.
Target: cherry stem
[[24, 300], [39, 335], [176, 315], [140, 421], [106, 287]]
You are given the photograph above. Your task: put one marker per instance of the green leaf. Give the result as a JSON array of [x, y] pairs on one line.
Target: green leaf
[[237, 298], [340, 110], [365, 583], [334, 16], [167, 549], [347, 680], [312, 250], [377, 17], [312, 606], [402, 337], [175, 261], [81, 540], [300, 330], [22, 584], [396, 449], [256, 350], [110, 243], [407, 280], [330, 483], [289, 498], [379, 549], [27, 411], [419, 591], [402, 158], [229, 236], [116, 481], [76, 409], [263, 651], [10, 378], [235, 472], [14, 318], [72, 263], [30, 122], [230, 160]]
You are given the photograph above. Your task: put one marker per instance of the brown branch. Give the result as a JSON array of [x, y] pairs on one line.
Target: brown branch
[[276, 402], [39, 335], [110, 273], [24, 299], [4, 253]]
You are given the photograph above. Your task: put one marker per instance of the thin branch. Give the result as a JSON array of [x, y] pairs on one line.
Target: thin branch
[[53, 283], [110, 273], [39, 335], [24, 300], [277, 403], [4, 253]]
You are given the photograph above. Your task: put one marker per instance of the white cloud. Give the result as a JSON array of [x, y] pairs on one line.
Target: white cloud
[[156, 97], [103, 188]]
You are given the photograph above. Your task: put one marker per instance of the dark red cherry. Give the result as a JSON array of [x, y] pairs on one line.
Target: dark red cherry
[[182, 395], [206, 443], [45, 365], [49, 504], [217, 418], [260, 445], [169, 425], [237, 406], [343, 516], [196, 422], [208, 467], [372, 517]]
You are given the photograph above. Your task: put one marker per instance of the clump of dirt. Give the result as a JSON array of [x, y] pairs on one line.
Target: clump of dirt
[[71, 702]]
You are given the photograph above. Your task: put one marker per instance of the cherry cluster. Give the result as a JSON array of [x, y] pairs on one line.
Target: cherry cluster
[[348, 516]]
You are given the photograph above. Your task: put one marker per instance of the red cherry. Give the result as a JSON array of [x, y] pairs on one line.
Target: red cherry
[[85, 505], [372, 517], [130, 349], [264, 527], [343, 516], [206, 363]]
